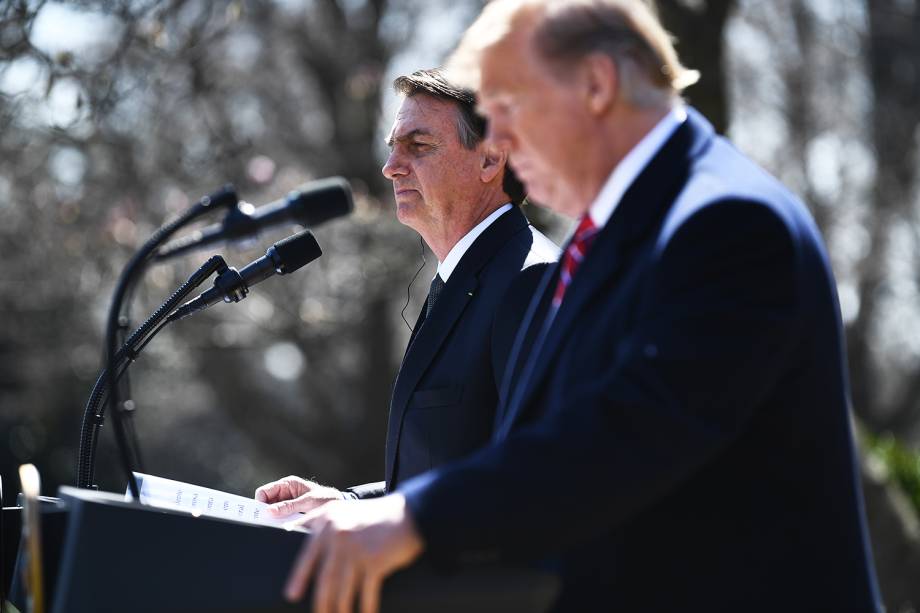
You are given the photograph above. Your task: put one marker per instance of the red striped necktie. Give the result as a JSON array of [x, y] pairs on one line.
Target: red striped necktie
[[574, 254]]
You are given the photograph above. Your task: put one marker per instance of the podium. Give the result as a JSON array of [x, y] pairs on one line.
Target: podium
[[108, 554]]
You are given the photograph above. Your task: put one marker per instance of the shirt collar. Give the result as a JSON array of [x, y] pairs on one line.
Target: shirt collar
[[630, 166], [450, 262]]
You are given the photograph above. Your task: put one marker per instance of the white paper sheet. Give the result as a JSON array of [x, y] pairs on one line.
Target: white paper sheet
[[168, 494]]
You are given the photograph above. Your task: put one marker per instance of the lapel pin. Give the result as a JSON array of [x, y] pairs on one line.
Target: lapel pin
[[469, 293]]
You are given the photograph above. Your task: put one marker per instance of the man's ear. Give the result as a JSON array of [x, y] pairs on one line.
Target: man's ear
[[600, 81], [492, 161]]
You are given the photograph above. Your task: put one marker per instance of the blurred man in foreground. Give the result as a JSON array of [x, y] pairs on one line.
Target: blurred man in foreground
[[457, 192], [676, 435]]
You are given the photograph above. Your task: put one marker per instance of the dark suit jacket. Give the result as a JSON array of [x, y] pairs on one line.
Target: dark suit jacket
[[446, 392], [680, 440]]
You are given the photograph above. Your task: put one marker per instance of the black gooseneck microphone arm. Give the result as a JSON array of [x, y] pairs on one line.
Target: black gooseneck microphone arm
[[94, 412], [225, 197], [308, 205], [282, 258], [124, 328]]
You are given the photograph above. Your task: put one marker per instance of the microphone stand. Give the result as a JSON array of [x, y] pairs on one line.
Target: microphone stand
[[124, 328], [225, 197], [106, 383]]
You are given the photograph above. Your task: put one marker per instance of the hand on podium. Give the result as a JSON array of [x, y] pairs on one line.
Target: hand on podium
[[352, 548], [295, 495]]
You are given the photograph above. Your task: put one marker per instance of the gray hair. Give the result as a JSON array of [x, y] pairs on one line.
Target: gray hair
[[628, 32], [471, 127]]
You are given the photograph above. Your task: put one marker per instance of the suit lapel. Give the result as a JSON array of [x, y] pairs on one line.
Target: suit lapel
[[415, 329], [429, 334], [524, 340], [640, 213]]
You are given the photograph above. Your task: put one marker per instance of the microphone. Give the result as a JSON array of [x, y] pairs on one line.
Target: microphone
[[282, 258], [310, 205]]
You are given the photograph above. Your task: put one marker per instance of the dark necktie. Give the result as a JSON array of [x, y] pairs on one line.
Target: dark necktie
[[574, 254], [433, 292]]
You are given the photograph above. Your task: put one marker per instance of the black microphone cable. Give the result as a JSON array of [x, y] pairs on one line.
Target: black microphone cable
[[402, 313]]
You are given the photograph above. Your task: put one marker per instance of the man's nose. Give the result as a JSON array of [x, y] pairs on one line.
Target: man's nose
[[394, 166]]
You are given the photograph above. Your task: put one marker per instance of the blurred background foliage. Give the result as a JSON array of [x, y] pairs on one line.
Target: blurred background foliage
[[117, 114]]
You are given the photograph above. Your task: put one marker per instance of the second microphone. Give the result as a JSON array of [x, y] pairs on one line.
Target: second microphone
[[282, 258]]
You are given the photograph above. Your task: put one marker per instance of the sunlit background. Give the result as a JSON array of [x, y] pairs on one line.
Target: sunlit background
[[116, 115]]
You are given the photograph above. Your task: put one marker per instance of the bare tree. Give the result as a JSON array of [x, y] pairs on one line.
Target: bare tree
[[174, 100], [894, 72], [700, 31]]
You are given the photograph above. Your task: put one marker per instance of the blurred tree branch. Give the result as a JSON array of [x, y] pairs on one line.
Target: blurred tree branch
[[700, 31], [183, 96], [894, 72]]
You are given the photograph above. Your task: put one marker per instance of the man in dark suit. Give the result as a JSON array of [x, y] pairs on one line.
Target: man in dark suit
[[458, 194], [675, 433]]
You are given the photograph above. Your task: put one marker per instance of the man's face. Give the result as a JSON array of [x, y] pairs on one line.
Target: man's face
[[435, 179], [538, 118]]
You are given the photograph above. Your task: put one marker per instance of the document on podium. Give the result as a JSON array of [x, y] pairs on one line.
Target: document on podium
[[176, 495]]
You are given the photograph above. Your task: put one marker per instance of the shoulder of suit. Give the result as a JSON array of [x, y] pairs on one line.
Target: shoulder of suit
[[531, 245], [724, 174], [542, 250]]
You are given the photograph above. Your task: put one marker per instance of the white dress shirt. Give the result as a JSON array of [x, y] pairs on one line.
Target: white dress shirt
[[450, 262], [631, 166]]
